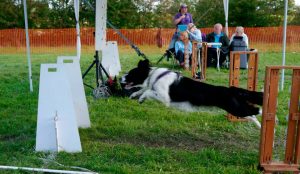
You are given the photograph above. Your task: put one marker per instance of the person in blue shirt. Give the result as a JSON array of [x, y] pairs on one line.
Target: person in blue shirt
[[217, 36], [194, 34], [180, 46]]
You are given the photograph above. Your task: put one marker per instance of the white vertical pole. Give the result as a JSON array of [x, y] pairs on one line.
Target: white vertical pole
[[226, 8], [78, 45], [100, 27], [284, 42], [27, 45]]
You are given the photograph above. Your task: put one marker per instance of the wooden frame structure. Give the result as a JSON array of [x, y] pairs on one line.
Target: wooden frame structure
[[292, 149], [234, 74], [203, 60]]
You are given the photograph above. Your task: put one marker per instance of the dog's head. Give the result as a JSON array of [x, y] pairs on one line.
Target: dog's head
[[137, 75]]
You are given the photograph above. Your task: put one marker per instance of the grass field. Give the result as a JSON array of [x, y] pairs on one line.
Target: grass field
[[127, 137]]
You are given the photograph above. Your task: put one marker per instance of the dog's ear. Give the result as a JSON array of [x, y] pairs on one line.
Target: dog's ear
[[144, 64]]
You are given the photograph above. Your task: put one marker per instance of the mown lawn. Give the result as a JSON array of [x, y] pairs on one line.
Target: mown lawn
[[127, 137]]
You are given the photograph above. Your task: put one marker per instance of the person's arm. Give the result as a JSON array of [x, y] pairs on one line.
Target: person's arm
[[246, 40], [210, 38], [231, 39], [177, 20], [196, 36], [190, 47], [176, 46], [226, 40]]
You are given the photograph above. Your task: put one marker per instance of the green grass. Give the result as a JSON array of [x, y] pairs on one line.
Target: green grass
[[127, 137]]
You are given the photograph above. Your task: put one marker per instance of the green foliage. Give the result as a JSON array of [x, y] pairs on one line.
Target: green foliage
[[127, 137], [146, 13]]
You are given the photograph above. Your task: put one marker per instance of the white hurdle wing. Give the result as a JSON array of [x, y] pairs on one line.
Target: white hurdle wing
[[56, 124], [110, 58], [72, 68]]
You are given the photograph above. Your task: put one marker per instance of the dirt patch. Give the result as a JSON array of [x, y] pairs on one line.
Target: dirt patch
[[186, 142]]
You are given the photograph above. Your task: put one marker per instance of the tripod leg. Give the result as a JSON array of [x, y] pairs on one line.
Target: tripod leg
[[87, 71], [100, 74], [162, 57], [98, 70], [105, 72]]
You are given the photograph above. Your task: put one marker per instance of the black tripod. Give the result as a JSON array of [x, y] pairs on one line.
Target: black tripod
[[168, 54], [99, 69]]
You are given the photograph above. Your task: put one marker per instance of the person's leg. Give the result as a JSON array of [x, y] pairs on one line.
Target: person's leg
[[211, 57], [180, 57], [174, 39], [222, 58]]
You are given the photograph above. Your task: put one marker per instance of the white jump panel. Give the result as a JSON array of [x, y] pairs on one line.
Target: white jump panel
[[100, 31], [110, 58], [72, 68], [56, 124]]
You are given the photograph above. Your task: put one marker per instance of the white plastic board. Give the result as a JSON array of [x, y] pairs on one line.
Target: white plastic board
[[100, 31], [110, 58], [72, 68], [56, 124]]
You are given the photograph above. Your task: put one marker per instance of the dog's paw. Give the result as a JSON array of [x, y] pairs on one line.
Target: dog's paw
[[141, 100], [134, 95]]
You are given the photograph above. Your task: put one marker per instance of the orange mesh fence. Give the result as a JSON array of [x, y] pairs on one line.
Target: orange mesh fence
[[159, 37]]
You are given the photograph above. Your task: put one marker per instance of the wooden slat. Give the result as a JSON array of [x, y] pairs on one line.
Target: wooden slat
[[280, 167], [204, 60], [194, 59], [292, 144], [269, 106], [236, 71], [252, 72]]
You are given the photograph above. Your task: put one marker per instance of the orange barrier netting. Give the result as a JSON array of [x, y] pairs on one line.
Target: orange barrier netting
[[155, 36]]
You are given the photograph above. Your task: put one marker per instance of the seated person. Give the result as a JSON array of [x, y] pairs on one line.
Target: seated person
[[180, 46], [239, 31], [181, 18], [203, 35], [217, 37], [194, 34]]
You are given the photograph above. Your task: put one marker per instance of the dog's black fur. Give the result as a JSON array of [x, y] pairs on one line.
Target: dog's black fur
[[237, 101]]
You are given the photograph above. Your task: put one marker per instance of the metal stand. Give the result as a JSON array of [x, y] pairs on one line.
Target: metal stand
[[166, 55], [98, 69]]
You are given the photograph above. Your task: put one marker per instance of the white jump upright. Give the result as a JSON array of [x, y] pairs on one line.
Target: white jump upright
[[100, 28], [72, 68], [56, 124], [110, 58]]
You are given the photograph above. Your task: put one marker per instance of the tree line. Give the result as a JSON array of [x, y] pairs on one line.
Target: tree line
[[146, 13]]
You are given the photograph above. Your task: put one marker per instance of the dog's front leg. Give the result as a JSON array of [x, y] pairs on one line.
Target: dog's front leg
[[154, 95], [137, 93]]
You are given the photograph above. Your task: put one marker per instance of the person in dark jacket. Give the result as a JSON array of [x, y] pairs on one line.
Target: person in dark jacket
[[217, 37]]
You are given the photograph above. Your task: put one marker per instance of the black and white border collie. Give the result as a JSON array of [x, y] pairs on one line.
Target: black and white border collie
[[172, 89]]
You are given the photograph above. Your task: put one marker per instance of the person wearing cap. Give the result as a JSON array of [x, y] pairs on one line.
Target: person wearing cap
[[181, 18], [194, 34]]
